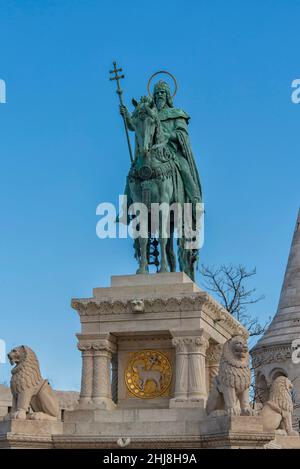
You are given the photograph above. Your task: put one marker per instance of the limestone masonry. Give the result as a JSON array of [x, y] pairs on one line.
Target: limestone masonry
[[163, 366]]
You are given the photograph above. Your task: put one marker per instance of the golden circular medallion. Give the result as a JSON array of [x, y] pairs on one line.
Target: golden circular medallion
[[148, 374]]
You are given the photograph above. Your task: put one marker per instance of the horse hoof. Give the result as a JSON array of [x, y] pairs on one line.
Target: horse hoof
[[163, 271], [142, 271]]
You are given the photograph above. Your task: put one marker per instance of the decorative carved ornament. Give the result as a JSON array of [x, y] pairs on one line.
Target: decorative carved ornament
[[214, 352], [273, 354], [197, 302], [102, 345], [192, 344]]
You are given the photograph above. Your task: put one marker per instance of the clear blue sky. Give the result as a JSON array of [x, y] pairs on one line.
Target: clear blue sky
[[63, 149]]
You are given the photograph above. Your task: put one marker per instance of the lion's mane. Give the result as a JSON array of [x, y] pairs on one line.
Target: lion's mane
[[280, 395], [26, 374], [234, 371]]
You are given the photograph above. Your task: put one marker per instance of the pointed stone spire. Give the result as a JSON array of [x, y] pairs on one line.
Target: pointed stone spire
[[285, 325]]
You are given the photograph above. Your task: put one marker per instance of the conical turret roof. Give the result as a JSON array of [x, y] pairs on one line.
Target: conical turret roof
[[285, 325]]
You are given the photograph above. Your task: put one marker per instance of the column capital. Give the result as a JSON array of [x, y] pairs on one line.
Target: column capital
[[198, 344], [86, 349], [190, 341], [97, 343], [180, 343], [103, 346]]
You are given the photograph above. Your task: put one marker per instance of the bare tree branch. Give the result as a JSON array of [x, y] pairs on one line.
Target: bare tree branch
[[228, 284]]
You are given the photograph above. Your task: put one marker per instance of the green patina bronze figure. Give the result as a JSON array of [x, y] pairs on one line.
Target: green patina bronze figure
[[163, 171]]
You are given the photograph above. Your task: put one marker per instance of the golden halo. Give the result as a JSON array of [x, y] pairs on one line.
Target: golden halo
[[166, 73]]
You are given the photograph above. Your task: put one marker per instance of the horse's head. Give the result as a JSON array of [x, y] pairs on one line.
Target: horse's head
[[145, 122]]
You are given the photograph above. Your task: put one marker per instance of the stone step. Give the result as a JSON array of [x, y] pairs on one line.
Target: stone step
[[168, 278], [143, 292], [127, 429], [134, 415]]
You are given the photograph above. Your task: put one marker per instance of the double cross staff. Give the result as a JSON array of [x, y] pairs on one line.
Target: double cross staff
[[120, 92]]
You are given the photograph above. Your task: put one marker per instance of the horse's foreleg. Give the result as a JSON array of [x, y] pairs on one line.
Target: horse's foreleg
[[143, 268], [163, 255], [164, 236], [170, 251]]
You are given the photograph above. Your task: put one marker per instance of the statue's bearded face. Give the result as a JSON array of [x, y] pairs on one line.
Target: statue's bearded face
[[160, 98]]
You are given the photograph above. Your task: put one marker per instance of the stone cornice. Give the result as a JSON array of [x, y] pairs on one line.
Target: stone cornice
[[222, 440], [92, 307], [264, 354], [200, 301]]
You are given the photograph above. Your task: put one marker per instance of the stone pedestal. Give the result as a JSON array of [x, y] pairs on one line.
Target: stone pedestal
[[144, 343], [234, 432], [150, 346], [28, 433], [158, 328], [286, 442]]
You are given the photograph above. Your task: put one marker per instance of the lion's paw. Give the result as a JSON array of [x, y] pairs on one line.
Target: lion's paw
[[18, 415], [233, 411], [293, 433], [247, 411], [42, 416]]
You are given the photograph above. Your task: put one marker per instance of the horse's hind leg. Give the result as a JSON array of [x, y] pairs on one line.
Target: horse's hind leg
[[163, 255], [143, 268], [164, 236], [170, 250]]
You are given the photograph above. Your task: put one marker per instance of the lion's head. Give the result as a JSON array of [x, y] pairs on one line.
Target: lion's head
[[280, 393], [138, 306], [239, 348], [26, 372], [234, 365], [16, 355]]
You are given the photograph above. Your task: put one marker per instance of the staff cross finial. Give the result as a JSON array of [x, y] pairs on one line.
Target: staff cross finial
[[117, 78]]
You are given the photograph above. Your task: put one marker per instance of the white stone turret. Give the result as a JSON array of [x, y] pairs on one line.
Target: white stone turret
[[272, 355]]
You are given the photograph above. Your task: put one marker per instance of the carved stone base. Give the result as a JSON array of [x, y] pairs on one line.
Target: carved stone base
[[28, 433], [287, 442], [234, 432], [120, 423], [154, 332], [162, 428]]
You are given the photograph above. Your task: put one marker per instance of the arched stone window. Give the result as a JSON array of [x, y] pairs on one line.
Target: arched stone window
[[261, 389], [277, 372]]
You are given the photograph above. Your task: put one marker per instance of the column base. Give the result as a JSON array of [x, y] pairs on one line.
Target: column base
[[85, 403], [103, 403], [179, 402], [199, 398]]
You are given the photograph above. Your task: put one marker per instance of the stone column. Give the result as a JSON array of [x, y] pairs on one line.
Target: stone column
[[101, 377], [114, 378], [213, 357], [197, 379], [86, 375], [181, 371]]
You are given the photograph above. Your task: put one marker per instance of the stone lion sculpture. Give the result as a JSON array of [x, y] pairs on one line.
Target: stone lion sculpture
[[277, 411], [230, 391], [29, 389]]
